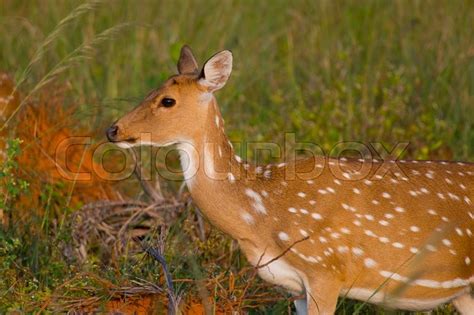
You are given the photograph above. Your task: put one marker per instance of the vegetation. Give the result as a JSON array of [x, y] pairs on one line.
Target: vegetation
[[330, 71]]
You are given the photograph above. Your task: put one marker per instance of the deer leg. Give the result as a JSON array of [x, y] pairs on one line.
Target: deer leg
[[322, 294], [301, 307], [465, 304]]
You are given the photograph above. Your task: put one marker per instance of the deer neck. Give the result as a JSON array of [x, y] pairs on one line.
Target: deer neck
[[213, 173]]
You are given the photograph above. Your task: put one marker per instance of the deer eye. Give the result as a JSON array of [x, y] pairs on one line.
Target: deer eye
[[168, 102]]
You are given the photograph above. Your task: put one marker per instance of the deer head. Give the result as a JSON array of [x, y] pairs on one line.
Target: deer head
[[176, 111]]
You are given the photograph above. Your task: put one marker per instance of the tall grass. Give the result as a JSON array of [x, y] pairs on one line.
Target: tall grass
[[384, 71]]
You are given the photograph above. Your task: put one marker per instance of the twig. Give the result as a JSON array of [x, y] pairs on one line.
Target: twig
[[157, 253], [258, 266], [112, 204]]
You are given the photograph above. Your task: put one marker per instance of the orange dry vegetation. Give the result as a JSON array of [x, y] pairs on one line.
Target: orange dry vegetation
[[48, 158], [150, 304], [141, 306]]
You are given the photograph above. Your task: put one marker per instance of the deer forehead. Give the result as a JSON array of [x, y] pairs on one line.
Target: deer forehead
[[182, 86]]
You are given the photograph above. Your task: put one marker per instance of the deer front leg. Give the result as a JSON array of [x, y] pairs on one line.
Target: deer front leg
[[465, 304], [301, 307], [322, 294]]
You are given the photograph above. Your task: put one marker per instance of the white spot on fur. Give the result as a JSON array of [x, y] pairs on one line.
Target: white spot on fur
[[345, 230], [369, 217], [304, 233], [398, 245], [446, 242], [370, 263], [248, 218], [283, 236], [399, 209], [370, 233], [257, 202], [357, 251]]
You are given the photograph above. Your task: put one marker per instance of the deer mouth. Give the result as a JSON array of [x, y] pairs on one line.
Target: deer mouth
[[130, 140]]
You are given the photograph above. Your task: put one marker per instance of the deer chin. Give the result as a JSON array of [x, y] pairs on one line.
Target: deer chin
[[125, 144], [128, 144], [156, 144]]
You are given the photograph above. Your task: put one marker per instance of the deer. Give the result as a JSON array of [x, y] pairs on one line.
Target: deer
[[403, 239]]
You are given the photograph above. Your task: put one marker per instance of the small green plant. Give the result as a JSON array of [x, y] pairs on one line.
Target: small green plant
[[11, 186]]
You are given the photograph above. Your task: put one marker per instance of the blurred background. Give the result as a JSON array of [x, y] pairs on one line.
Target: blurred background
[[330, 71]]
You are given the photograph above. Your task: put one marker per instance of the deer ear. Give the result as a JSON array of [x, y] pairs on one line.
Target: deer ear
[[187, 63], [216, 71]]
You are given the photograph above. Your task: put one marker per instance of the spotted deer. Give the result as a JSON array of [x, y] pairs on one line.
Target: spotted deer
[[316, 226]]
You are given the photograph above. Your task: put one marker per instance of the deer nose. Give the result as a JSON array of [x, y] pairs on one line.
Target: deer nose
[[112, 132]]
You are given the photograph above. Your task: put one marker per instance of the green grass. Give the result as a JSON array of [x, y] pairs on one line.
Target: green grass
[[387, 71], [330, 71]]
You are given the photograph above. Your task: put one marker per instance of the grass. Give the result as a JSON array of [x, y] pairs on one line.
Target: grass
[[330, 71]]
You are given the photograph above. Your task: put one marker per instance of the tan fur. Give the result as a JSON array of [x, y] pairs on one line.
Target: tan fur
[[405, 238]]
